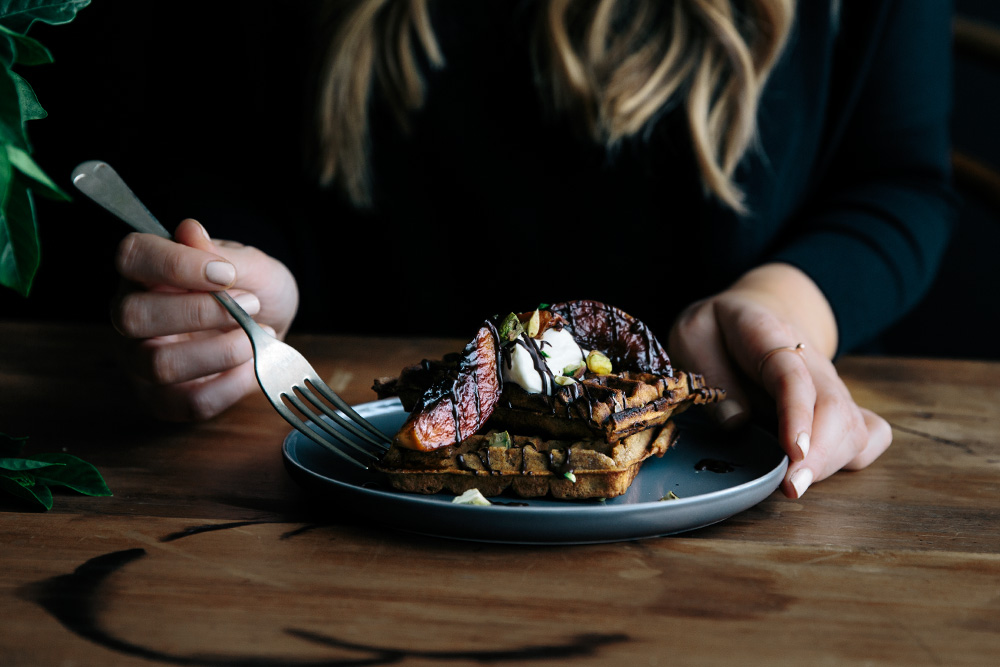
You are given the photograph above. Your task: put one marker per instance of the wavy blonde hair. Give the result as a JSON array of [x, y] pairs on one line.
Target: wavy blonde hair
[[612, 65]]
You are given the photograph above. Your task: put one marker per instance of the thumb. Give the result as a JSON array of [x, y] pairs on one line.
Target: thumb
[[221, 271], [191, 233], [696, 345]]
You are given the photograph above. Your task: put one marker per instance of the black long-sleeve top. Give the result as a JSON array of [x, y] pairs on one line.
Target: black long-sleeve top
[[491, 204]]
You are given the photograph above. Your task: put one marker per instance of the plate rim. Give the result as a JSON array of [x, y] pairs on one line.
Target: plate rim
[[770, 481]]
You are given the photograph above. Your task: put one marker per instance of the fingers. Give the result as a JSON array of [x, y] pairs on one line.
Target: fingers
[[819, 425], [197, 400], [786, 377], [191, 376], [179, 276], [759, 342], [879, 439], [174, 360], [150, 260], [844, 436], [141, 314], [188, 359]]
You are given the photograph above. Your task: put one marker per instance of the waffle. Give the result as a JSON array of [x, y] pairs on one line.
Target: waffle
[[528, 466], [608, 407]]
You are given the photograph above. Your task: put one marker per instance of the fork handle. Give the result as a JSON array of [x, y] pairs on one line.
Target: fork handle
[[102, 184], [241, 316]]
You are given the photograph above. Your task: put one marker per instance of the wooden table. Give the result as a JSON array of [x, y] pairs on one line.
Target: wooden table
[[208, 553]]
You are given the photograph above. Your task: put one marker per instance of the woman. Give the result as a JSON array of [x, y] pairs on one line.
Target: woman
[[765, 180]]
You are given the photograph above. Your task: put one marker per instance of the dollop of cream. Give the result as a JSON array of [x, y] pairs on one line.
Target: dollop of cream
[[556, 350]]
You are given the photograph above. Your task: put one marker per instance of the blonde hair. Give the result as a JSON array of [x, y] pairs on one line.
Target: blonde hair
[[612, 65]]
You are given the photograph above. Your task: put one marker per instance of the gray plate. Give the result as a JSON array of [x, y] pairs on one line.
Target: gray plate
[[714, 474]]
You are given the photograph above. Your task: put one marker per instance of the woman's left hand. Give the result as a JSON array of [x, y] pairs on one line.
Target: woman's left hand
[[744, 340]]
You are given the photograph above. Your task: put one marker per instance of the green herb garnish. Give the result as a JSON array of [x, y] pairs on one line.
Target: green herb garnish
[[499, 439]]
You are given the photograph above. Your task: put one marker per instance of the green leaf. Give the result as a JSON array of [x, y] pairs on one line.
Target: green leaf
[[19, 173], [20, 464], [73, 473], [19, 246], [6, 183], [8, 51], [11, 122], [18, 15], [26, 50], [36, 494], [31, 109], [40, 181]]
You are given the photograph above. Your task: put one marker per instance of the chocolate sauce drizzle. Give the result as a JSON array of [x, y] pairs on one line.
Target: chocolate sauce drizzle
[[715, 465], [448, 386]]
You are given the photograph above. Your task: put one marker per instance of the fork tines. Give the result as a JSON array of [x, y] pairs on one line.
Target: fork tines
[[367, 442]]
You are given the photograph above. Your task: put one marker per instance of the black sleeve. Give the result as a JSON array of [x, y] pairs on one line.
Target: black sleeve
[[876, 229]]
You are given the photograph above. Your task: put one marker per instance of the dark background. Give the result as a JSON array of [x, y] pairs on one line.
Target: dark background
[[133, 82]]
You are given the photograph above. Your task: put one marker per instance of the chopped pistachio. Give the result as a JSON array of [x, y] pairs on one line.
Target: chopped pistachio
[[534, 324], [471, 497], [575, 370], [570, 476], [499, 439], [564, 380], [670, 496], [598, 363], [510, 328]]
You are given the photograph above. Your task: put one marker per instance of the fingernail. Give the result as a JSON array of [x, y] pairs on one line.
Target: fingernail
[[220, 273], [801, 479], [248, 302], [803, 442], [270, 330], [729, 412], [204, 232]]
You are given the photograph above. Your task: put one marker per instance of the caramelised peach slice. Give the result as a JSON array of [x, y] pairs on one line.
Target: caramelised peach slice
[[459, 402]]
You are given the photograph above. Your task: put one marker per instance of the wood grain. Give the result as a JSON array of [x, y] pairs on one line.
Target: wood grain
[[209, 555]]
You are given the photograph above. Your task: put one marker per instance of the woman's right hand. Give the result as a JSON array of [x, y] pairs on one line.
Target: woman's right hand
[[187, 357]]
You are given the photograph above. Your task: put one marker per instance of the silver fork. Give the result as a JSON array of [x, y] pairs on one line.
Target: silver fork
[[284, 375]]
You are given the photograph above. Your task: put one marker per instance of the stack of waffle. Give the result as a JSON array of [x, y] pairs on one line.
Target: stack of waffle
[[588, 439]]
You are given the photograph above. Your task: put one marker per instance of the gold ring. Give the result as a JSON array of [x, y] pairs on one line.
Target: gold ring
[[788, 348]]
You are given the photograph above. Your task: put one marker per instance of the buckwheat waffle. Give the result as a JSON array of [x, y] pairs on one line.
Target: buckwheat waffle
[[608, 407], [528, 466]]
